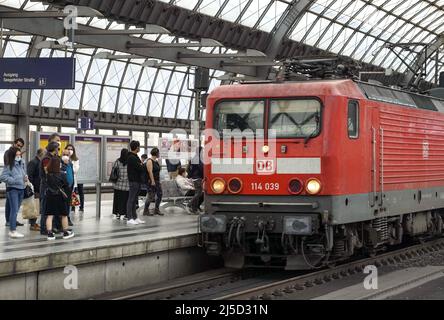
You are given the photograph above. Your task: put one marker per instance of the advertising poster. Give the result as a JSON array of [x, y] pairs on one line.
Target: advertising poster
[[173, 148], [64, 141]]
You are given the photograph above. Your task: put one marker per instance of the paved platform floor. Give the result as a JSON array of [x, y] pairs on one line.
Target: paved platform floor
[[93, 233]]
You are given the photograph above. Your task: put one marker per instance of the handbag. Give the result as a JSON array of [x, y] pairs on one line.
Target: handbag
[[114, 176], [29, 191], [75, 202], [29, 208]]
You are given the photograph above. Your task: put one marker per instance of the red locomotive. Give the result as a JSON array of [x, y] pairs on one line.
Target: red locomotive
[[354, 167]]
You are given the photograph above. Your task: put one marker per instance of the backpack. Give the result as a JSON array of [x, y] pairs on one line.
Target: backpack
[[145, 178], [115, 173]]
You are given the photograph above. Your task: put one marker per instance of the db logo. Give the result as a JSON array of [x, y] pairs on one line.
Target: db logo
[[265, 166]]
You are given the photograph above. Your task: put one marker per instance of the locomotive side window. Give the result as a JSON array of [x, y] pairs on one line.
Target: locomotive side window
[[295, 118], [353, 119], [242, 115]]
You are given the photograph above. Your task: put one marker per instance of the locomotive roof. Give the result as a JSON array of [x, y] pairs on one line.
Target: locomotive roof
[[340, 87]]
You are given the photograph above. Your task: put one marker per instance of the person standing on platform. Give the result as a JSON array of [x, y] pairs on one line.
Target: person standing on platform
[[56, 197], [154, 185], [51, 152], [34, 177], [196, 173], [121, 186], [135, 170], [19, 143], [144, 185], [14, 175], [76, 166], [67, 168]]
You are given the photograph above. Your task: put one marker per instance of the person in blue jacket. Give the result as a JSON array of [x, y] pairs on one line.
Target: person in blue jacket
[[14, 175], [68, 169]]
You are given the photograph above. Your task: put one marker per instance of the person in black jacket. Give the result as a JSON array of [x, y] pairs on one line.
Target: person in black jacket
[[33, 171], [135, 171], [196, 173], [57, 193], [52, 149]]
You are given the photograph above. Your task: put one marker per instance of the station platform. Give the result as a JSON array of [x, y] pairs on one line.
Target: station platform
[[107, 254]]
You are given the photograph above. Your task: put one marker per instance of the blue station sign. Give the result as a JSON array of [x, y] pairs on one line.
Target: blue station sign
[[37, 73]]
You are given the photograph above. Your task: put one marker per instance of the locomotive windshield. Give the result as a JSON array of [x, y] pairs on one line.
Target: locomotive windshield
[[295, 118], [242, 115]]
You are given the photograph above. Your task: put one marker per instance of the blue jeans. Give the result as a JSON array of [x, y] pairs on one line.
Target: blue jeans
[[7, 210], [15, 198]]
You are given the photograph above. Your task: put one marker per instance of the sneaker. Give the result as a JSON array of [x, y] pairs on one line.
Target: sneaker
[[132, 222], [81, 211], [68, 234], [15, 234], [51, 236], [123, 218], [19, 224], [34, 227], [140, 221], [70, 223]]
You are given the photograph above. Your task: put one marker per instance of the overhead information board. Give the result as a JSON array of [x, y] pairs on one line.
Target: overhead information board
[[89, 149], [112, 148], [37, 73]]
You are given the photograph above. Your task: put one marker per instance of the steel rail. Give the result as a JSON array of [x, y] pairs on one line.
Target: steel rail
[[280, 288]]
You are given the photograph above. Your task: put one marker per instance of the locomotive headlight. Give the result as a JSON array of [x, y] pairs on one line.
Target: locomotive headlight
[[299, 225], [313, 186], [213, 223], [218, 185]]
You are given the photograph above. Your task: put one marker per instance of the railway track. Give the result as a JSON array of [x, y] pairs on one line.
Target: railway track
[[259, 285], [183, 288], [288, 286]]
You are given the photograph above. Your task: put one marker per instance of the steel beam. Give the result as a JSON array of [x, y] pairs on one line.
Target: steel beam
[[412, 76], [54, 28]]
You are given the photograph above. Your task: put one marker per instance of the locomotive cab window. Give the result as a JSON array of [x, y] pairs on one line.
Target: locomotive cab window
[[295, 118], [241, 115], [353, 119]]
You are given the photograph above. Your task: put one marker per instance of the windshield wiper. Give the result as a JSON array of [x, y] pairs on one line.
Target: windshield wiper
[[315, 131]]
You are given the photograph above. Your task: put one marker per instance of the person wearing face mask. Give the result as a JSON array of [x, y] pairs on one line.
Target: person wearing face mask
[[19, 143], [67, 168], [78, 187], [186, 185], [14, 175]]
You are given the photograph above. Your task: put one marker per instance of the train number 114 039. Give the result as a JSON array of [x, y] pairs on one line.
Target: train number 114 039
[[259, 186]]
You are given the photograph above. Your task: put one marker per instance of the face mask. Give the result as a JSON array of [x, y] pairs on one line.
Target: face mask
[[18, 158], [70, 152], [65, 158]]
